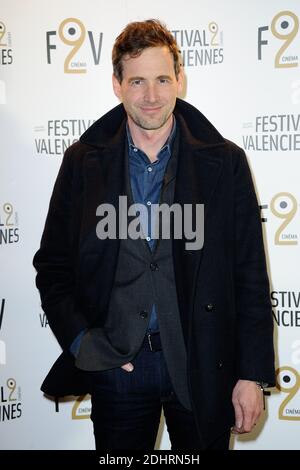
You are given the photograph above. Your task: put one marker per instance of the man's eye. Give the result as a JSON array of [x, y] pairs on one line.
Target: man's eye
[[136, 82]]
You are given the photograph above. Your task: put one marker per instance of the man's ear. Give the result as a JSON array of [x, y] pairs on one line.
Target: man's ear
[[180, 81], [116, 87]]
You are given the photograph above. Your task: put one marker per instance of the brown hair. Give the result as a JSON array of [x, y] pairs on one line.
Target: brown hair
[[138, 36]]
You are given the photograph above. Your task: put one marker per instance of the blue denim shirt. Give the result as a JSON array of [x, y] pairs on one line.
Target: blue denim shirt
[[146, 180]]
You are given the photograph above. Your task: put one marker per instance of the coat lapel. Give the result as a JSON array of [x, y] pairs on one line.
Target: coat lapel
[[199, 168], [103, 177]]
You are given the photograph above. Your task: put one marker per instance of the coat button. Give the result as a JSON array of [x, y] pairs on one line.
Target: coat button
[[143, 314], [154, 266], [220, 365], [209, 307]]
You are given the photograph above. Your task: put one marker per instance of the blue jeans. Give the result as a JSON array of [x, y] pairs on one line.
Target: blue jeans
[[126, 407]]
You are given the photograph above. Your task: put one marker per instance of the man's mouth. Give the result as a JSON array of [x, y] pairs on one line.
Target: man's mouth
[[150, 109]]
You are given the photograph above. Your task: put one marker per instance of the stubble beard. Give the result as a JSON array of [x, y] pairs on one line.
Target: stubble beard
[[148, 123]]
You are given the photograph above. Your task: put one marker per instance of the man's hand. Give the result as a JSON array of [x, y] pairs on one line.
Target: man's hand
[[247, 399], [128, 367]]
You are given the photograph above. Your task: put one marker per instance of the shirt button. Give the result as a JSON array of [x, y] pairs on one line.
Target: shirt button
[[209, 307], [148, 239], [148, 203], [135, 149], [149, 168], [143, 314], [154, 266]]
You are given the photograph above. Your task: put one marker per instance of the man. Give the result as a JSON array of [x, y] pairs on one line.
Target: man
[[147, 323]]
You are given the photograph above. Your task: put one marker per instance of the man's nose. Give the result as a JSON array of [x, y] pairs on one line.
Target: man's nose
[[151, 94]]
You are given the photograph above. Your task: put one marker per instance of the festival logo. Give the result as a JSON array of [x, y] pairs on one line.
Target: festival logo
[[57, 135], [82, 407], [286, 308], [272, 133], [284, 207], [6, 53], [288, 382], [9, 230], [283, 35], [200, 47], [82, 48], [10, 401]]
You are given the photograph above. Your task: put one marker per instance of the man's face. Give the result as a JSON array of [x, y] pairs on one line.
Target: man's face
[[149, 87]]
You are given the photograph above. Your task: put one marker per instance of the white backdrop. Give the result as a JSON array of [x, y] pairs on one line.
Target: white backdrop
[[242, 63]]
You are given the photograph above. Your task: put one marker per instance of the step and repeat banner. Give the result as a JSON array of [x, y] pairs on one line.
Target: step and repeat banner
[[242, 67]]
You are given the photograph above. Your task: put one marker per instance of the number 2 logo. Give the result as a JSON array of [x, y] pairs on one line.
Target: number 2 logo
[[288, 381], [284, 206], [285, 26], [74, 35]]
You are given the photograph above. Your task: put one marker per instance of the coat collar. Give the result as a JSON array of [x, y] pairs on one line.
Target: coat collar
[[199, 132], [200, 165]]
